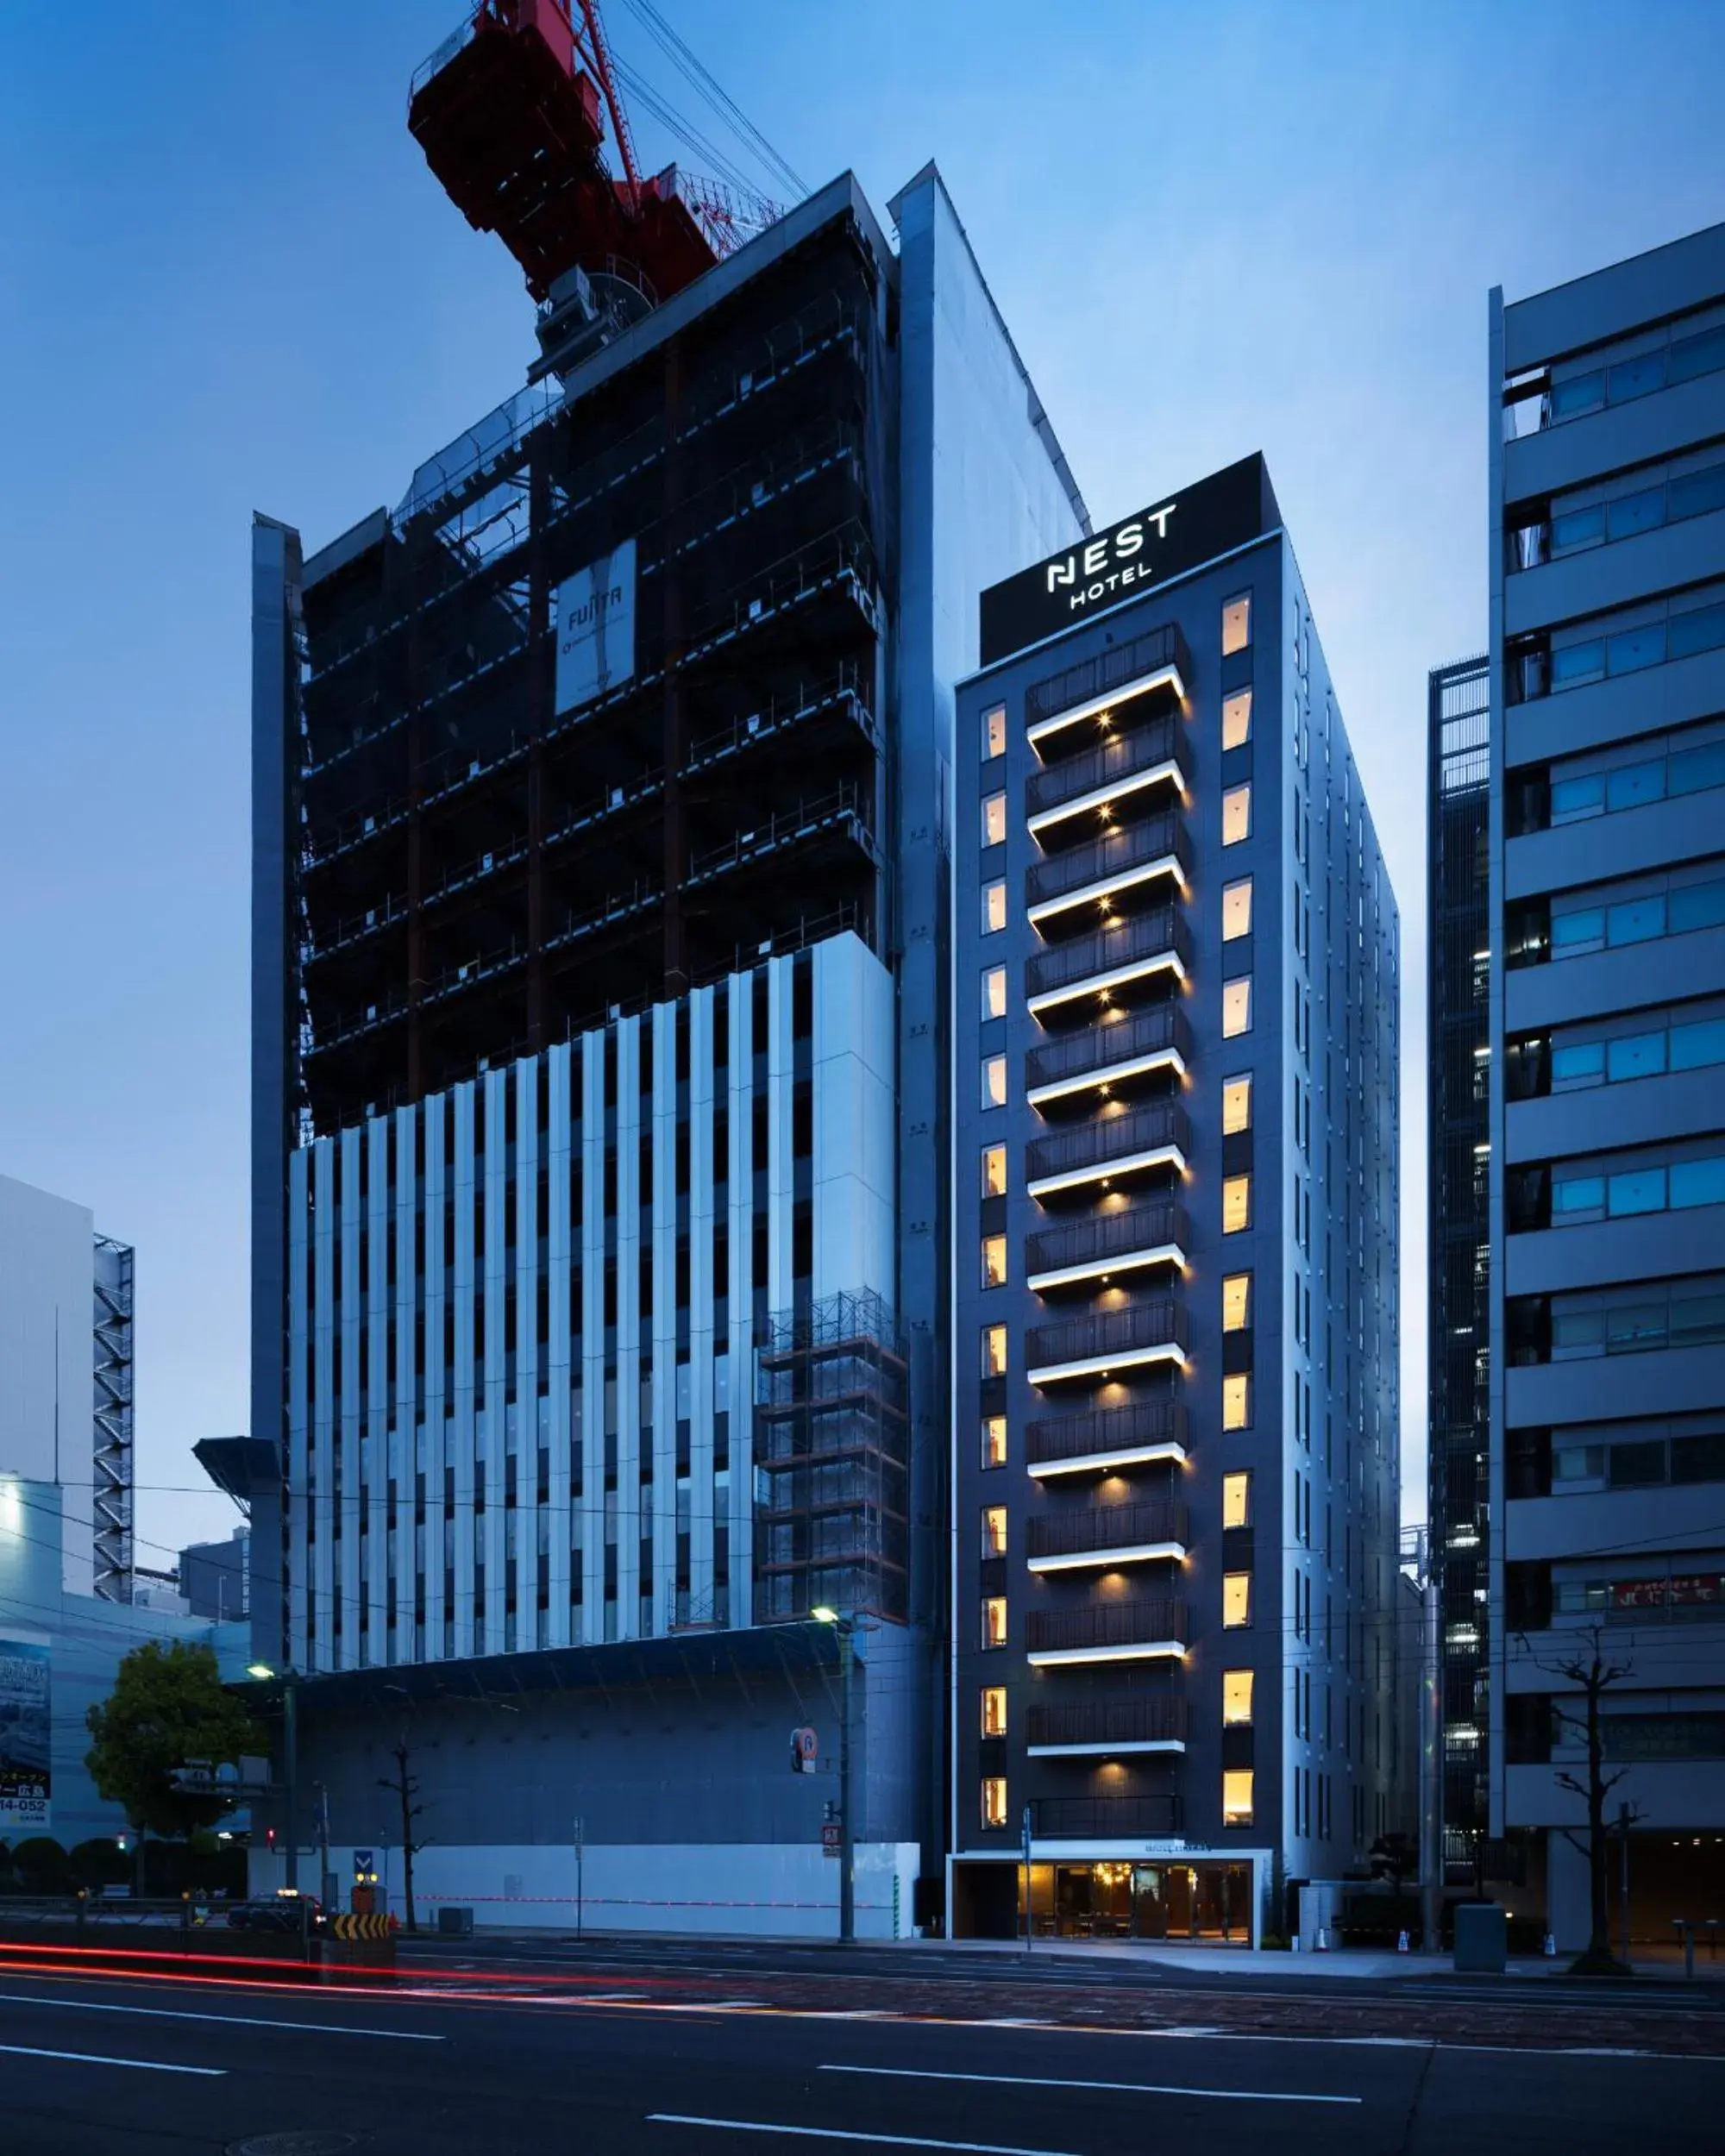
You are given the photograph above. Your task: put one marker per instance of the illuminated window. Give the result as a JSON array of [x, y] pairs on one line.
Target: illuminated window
[[994, 1710], [994, 906], [1237, 1499], [993, 1350], [1236, 1699], [993, 1171], [993, 1261], [1236, 1796], [994, 1799], [995, 993], [1236, 1105], [1236, 1401], [994, 1081], [994, 1531], [1236, 1600], [1237, 719], [1236, 1008], [994, 732], [1236, 818], [993, 819], [1235, 1204], [1236, 624], [993, 1440], [1236, 1302], [994, 1620], [1236, 910]]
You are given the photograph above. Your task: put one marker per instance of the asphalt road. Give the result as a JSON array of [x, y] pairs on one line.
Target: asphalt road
[[597, 2063]]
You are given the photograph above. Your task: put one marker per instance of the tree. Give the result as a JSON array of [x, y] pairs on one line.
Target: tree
[[168, 1708], [403, 1785], [1592, 1676]]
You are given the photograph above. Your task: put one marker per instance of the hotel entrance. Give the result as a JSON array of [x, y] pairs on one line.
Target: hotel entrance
[[1202, 1900]]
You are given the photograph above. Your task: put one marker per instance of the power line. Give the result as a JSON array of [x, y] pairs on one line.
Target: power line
[[719, 100]]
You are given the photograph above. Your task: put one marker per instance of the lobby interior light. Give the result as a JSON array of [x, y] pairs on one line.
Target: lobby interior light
[[823, 1614], [261, 1670]]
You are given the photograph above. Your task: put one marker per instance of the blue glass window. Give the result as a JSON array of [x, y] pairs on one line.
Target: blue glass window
[[1701, 630], [1631, 513], [1636, 1055], [1635, 377], [1638, 1190], [1577, 1196], [1633, 648], [1693, 1047], [1581, 393], [1702, 354], [1572, 799], [1581, 931], [1581, 1065], [1694, 770], [1696, 493], [1575, 664], [1636, 920], [1634, 785], [1699, 1182], [1579, 528], [1697, 905]]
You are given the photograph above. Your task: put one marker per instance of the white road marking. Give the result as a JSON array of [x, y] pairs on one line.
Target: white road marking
[[837, 2133], [1128, 2088], [96, 2059], [242, 2020]]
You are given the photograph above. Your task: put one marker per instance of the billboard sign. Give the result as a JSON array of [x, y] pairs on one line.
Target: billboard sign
[[596, 627], [1228, 510], [26, 1732]]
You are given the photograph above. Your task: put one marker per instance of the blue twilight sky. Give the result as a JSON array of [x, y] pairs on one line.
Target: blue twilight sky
[[228, 281]]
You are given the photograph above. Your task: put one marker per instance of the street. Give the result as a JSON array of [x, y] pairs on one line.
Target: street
[[624, 2048]]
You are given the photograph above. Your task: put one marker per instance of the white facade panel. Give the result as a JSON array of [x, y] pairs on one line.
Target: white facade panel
[[856, 1164]]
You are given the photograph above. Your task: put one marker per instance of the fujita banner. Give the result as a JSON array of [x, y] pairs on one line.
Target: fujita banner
[[26, 1731], [596, 627]]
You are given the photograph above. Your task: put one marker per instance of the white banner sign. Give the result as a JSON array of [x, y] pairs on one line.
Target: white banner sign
[[596, 627], [25, 1738]]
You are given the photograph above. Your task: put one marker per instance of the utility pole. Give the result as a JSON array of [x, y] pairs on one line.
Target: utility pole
[[1623, 1817], [1029, 1921], [1431, 1754], [289, 1760]]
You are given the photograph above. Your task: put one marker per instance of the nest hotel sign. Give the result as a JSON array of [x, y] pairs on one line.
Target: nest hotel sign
[[1221, 512]]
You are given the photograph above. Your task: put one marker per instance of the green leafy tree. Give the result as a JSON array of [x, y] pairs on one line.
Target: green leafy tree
[[168, 1708]]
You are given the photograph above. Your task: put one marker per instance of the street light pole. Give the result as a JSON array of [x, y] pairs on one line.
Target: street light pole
[[845, 1627], [289, 1761], [847, 1885]]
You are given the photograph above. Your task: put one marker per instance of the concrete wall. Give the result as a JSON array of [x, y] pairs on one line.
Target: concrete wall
[[46, 1312]]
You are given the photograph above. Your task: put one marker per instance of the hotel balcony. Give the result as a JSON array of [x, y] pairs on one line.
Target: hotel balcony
[[1141, 1141], [1111, 686], [1105, 1244], [1129, 856], [1107, 1632], [1105, 1818], [1136, 1046], [1108, 1727], [1129, 764], [1107, 1342], [1126, 951], [1107, 1438], [1108, 1535]]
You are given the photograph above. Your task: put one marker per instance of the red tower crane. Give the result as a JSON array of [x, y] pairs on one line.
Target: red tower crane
[[511, 113]]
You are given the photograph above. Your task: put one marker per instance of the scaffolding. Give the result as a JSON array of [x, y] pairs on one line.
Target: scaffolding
[[111, 1474], [480, 874], [831, 1449]]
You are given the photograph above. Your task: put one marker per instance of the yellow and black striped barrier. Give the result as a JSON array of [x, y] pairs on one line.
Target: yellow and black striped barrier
[[351, 1927]]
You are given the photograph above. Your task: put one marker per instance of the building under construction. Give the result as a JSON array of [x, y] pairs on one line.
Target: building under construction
[[602, 858]]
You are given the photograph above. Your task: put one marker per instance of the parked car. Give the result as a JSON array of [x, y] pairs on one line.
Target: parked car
[[294, 1913]]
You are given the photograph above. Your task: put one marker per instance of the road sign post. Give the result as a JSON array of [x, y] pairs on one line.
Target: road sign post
[[1027, 1876]]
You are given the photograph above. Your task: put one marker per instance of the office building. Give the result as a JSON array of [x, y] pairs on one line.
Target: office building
[[1607, 448], [1458, 1170], [601, 869], [216, 1577], [1175, 1171], [66, 1379]]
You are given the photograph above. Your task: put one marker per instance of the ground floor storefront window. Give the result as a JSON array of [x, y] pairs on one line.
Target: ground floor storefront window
[[1160, 1899]]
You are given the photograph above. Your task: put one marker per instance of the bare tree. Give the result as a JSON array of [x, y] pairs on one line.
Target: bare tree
[[1586, 1670], [403, 1785]]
